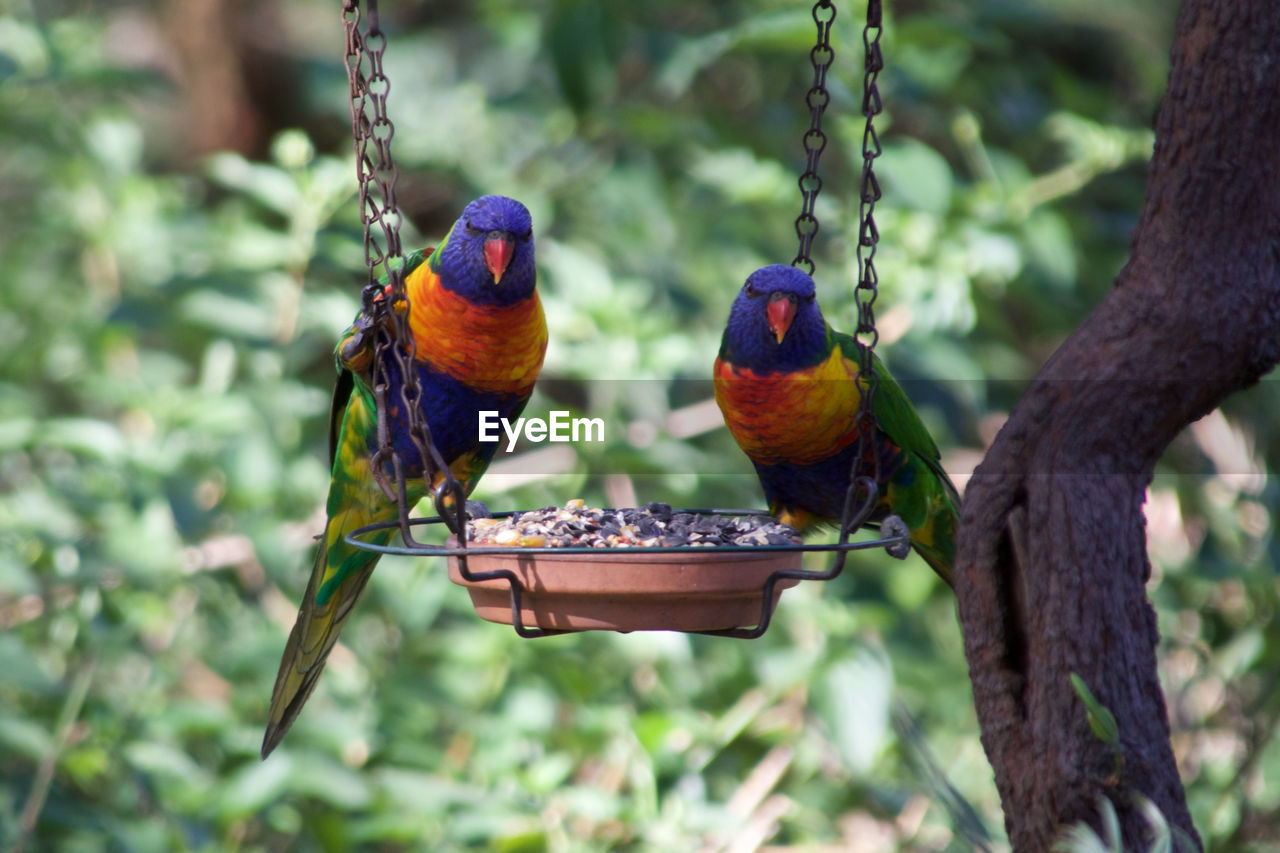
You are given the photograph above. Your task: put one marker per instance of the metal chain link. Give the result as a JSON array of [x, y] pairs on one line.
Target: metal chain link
[[865, 472], [372, 132], [376, 177], [815, 140], [868, 233], [867, 459]]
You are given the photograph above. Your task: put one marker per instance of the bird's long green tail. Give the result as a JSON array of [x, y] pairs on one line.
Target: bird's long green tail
[[337, 577]]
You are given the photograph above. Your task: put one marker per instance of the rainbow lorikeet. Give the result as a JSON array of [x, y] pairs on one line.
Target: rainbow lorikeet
[[480, 336], [790, 390]]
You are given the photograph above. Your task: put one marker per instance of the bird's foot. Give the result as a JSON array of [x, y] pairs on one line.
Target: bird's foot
[[893, 527], [478, 509]]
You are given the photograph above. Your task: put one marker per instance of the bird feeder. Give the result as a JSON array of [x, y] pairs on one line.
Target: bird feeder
[[539, 589]]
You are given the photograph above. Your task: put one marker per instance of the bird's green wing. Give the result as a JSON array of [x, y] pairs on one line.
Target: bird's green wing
[[411, 262], [354, 352], [341, 396], [896, 416]]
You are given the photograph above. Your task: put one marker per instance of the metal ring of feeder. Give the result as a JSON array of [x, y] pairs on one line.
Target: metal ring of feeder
[[895, 542]]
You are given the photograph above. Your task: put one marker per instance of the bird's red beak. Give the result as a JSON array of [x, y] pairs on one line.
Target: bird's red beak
[[780, 311], [499, 248]]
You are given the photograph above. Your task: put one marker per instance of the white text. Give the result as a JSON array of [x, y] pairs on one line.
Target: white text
[[559, 427]]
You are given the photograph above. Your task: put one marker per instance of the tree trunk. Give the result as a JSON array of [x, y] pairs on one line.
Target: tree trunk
[[1052, 563]]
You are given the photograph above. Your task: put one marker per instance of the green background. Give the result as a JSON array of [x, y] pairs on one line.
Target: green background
[[167, 314]]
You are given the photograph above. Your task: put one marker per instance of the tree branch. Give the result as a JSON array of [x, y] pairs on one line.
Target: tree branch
[[1052, 563]]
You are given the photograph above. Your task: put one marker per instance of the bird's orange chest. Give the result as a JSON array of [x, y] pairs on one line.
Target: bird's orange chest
[[801, 416], [494, 348]]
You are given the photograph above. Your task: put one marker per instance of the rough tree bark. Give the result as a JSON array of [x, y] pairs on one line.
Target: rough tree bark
[[1052, 553]]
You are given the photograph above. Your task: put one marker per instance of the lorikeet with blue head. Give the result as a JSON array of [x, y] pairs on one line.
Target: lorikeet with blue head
[[790, 389], [480, 336]]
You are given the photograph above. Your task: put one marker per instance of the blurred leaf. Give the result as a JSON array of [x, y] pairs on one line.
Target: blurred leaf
[[1051, 248], [22, 668], [182, 776], [25, 738], [85, 435], [741, 177], [267, 184], [1101, 721], [254, 786], [915, 176], [854, 699], [781, 29], [229, 315]]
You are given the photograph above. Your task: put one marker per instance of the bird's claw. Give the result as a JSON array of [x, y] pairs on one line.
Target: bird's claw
[[371, 300], [893, 527]]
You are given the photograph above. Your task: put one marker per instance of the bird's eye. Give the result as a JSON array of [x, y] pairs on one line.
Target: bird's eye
[[526, 236], [751, 291], [471, 229]]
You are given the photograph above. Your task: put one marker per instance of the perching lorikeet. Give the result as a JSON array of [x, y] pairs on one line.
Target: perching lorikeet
[[789, 388], [480, 336]]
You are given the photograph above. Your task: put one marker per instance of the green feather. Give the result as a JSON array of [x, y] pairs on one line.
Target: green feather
[[932, 507]]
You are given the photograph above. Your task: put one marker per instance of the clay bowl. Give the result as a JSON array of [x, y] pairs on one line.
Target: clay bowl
[[627, 589]]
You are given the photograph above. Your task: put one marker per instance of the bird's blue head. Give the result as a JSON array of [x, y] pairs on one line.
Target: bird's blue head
[[488, 256], [775, 323]]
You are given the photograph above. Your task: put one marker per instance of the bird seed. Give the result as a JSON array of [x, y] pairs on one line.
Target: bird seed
[[654, 525]]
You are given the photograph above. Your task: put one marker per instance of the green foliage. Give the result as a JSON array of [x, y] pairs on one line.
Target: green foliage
[[166, 324], [1082, 838], [1101, 721]]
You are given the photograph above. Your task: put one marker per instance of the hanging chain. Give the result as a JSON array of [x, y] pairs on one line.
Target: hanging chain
[[815, 140], [372, 132], [867, 457], [865, 473], [868, 233]]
